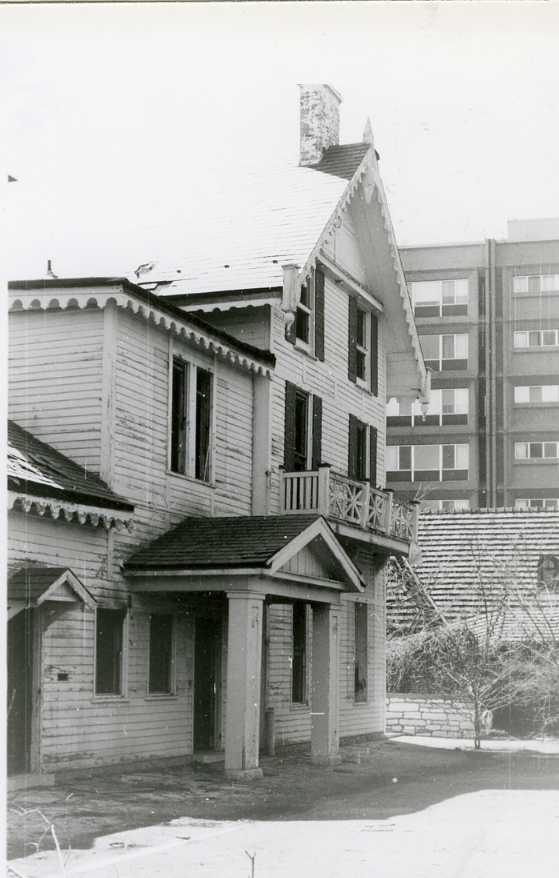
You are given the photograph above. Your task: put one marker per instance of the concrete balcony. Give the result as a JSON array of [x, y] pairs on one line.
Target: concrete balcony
[[354, 509]]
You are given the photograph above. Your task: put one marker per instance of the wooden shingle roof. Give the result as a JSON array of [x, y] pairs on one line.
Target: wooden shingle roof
[[240, 541], [463, 554]]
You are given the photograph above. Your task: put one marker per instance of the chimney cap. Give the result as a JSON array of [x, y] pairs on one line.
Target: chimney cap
[[311, 85]]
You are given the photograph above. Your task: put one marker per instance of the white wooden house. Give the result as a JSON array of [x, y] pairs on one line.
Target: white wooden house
[[237, 422]]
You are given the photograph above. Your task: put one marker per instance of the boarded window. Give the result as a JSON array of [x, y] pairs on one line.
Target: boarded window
[[109, 652], [299, 656], [160, 653], [361, 653]]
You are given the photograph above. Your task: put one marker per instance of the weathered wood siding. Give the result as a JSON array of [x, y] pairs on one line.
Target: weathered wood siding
[[55, 379], [79, 729]]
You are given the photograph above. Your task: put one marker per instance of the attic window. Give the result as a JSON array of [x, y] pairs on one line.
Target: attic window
[[548, 571]]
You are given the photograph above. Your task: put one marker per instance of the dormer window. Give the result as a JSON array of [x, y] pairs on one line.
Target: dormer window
[[548, 571]]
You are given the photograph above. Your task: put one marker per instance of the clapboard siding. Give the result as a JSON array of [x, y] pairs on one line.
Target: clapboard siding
[[55, 379], [79, 730], [329, 380]]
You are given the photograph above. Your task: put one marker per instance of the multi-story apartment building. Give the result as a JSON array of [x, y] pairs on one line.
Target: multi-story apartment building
[[199, 527], [488, 319]]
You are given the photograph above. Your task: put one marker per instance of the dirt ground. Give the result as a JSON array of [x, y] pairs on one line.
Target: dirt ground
[[374, 781]]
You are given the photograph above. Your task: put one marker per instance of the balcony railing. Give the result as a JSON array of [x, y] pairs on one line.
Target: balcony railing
[[348, 501]]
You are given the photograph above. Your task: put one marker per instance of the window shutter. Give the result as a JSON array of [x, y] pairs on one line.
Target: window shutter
[[319, 315], [374, 354], [373, 440], [289, 434], [316, 431], [352, 447], [352, 340]]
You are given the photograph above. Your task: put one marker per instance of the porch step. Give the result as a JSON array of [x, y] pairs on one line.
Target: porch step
[[208, 757], [17, 782]]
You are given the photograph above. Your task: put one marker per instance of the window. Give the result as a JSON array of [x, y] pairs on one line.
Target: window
[[444, 298], [536, 450], [548, 571], [362, 451], [109, 646], [446, 406], [299, 655], [307, 330], [160, 654], [303, 429], [191, 420], [540, 393], [536, 338], [445, 352], [533, 284], [363, 347], [546, 504], [458, 505], [427, 462], [361, 653]]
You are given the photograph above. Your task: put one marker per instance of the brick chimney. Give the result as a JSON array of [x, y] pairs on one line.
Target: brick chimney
[[319, 121]]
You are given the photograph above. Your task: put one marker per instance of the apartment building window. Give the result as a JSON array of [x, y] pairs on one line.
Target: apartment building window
[[546, 504], [363, 347], [536, 451], [307, 330], [191, 420], [427, 463], [362, 451], [440, 298], [534, 284], [539, 393], [445, 352], [109, 651], [299, 654], [160, 654], [454, 505], [536, 338], [447, 406], [361, 682], [303, 429]]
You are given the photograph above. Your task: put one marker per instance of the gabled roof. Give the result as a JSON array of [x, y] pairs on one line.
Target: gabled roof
[[462, 553], [37, 469], [281, 217], [33, 584], [256, 542]]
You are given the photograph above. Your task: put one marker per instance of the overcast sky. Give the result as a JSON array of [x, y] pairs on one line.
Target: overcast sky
[[128, 126]]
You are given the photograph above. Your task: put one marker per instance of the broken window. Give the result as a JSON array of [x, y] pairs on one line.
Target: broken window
[[109, 651], [191, 420]]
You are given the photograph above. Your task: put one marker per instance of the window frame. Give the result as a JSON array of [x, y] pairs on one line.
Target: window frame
[[190, 370], [309, 312], [531, 332], [440, 469], [535, 402], [464, 502], [300, 610], [440, 360], [437, 307], [123, 662], [363, 349], [532, 277], [537, 503], [529, 446], [360, 647], [433, 418], [171, 691]]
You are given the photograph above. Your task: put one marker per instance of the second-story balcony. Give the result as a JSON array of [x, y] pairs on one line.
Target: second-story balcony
[[355, 509]]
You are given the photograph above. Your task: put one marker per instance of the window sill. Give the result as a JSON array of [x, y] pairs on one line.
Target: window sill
[[546, 293], [305, 349], [161, 696], [536, 405], [110, 699], [536, 461], [536, 349], [298, 706], [186, 478]]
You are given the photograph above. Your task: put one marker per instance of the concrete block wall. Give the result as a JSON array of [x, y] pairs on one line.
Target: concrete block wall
[[418, 714]]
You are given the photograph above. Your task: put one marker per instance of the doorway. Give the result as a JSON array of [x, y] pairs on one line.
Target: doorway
[[20, 692], [207, 683]]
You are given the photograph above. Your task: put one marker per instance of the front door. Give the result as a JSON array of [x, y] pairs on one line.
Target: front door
[[207, 683], [20, 700]]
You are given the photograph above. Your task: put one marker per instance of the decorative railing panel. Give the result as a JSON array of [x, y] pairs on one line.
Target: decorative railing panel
[[348, 500]]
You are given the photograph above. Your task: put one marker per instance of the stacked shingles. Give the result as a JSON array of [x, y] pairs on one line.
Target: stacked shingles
[[468, 555]]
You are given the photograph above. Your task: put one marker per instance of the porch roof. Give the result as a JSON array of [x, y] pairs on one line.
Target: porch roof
[[232, 541]]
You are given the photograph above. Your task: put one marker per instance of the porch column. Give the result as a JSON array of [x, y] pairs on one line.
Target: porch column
[[244, 662], [324, 696]]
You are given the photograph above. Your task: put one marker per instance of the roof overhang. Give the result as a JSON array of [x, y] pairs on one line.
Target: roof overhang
[[69, 511], [275, 577], [34, 585]]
